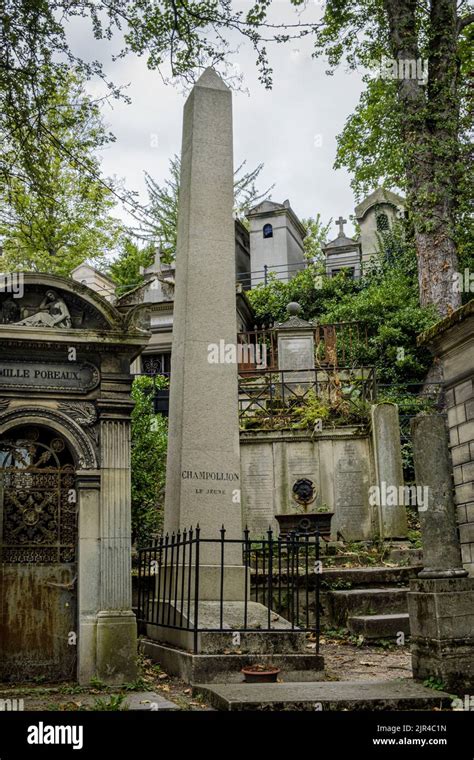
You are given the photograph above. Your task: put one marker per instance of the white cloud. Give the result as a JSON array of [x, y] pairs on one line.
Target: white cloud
[[276, 127]]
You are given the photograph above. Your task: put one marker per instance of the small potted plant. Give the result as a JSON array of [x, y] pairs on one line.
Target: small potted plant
[[260, 673]]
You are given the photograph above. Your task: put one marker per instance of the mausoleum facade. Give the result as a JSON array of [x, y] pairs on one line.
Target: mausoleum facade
[[65, 582]]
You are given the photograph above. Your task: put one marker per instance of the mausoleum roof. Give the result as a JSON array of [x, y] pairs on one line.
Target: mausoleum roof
[[341, 242], [271, 208], [379, 195]]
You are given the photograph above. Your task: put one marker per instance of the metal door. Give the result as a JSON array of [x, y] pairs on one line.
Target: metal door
[[38, 570]]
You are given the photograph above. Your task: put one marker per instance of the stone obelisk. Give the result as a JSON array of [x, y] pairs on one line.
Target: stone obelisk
[[203, 466]]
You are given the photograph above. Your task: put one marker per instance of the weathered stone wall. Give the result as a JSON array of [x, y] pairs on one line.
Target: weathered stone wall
[[452, 340], [344, 465], [69, 375], [460, 401], [339, 463]]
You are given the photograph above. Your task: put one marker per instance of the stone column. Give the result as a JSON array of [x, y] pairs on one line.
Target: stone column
[[441, 551], [116, 624], [203, 467], [441, 599], [88, 488], [388, 469]]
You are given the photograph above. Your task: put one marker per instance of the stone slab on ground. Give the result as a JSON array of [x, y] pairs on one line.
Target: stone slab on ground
[[379, 626], [400, 694], [147, 700], [136, 700], [226, 667]]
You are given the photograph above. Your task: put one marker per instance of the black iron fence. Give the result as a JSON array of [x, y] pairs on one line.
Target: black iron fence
[[280, 573]]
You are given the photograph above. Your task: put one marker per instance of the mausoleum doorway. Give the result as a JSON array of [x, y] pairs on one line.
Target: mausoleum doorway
[[38, 555]]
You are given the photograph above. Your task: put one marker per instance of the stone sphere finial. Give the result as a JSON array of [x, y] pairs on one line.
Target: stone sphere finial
[[293, 309]]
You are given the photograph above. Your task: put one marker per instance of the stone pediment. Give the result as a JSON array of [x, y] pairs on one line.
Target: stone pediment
[[379, 196], [267, 207], [50, 302]]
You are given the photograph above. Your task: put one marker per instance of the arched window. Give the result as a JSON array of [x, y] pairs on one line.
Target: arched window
[[382, 223], [267, 231]]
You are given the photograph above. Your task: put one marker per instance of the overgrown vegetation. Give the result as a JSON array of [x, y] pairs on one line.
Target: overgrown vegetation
[[306, 410], [149, 444], [386, 303]]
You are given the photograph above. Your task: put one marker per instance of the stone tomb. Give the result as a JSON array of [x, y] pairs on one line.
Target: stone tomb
[[65, 582], [343, 464]]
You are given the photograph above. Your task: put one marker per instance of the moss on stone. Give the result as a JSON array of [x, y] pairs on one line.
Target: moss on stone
[[440, 327]]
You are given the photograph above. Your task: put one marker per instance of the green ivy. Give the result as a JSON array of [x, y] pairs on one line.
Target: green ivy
[[385, 302], [148, 461]]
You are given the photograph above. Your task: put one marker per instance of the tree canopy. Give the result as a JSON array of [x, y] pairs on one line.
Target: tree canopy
[[160, 225], [409, 131], [56, 211]]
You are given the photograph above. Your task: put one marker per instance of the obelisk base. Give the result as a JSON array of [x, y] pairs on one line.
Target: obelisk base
[[231, 585]]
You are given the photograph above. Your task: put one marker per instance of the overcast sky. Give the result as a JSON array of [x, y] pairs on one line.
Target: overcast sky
[[291, 129]]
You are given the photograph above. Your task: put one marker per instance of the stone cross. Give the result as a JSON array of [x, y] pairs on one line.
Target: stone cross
[[203, 466], [341, 222]]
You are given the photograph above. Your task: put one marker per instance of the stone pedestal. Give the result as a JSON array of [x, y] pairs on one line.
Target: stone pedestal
[[441, 600], [296, 349], [116, 646], [442, 630]]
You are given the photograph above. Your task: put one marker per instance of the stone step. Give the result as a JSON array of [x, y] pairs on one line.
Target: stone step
[[379, 626], [357, 577], [226, 668], [337, 560], [399, 694], [365, 601], [405, 556]]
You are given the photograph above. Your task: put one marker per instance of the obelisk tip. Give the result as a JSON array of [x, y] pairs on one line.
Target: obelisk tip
[[211, 79]]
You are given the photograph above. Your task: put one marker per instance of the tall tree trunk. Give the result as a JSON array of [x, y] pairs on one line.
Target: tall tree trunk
[[430, 115]]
